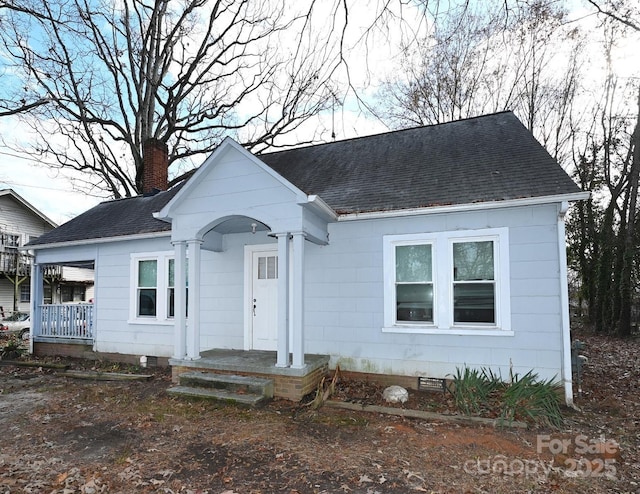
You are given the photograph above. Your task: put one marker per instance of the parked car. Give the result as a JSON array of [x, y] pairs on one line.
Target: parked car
[[17, 323]]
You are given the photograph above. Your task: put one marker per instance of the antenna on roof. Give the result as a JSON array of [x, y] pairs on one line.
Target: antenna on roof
[[334, 99], [333, 124]]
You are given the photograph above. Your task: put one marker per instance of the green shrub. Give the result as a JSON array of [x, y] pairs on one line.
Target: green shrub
[[523, 398], [12, 349]]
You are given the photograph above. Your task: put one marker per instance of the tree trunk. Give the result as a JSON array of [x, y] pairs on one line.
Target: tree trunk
[[602, 309], [626, 275]]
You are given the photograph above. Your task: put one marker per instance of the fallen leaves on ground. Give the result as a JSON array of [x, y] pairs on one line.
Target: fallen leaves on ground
[[62, 436]]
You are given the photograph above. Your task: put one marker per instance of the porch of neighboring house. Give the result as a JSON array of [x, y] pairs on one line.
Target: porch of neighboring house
[[15, 271]]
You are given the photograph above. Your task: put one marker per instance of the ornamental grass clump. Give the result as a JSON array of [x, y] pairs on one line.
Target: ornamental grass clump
[[527, 398], [472, 389], [478, 392]]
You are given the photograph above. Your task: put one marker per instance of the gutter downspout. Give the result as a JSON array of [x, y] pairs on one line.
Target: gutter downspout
[[567, 377]]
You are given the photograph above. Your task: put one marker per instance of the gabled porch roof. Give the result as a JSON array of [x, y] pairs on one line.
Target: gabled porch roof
[[233, 184]]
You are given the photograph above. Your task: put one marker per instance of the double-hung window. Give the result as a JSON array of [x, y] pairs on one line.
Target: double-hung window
[[474, 283], [171, 288], [414, 283], [456, 281], [153, 287], [147, 289]]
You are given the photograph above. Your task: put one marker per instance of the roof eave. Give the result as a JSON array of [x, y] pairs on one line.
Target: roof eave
[[320, 207], [454, 208], [101, 240], [28, 205]]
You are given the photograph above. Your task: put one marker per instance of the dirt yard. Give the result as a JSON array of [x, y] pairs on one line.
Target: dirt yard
[[61, 435]]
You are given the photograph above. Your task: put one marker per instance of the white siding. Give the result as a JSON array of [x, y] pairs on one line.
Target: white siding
[[221, 298], [15, 218], [236, 186], [114, 332], [6, 296], [344, 299], [77, 274]]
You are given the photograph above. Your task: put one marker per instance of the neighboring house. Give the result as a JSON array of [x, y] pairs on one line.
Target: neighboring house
[[20, 222], [406, 254], [75, 285]]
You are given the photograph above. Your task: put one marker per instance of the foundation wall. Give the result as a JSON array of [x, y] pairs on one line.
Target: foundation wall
[[74, 350], [409, 382], [292, 388]]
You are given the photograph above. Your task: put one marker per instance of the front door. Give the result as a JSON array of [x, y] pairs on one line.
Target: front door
[[264, 300]]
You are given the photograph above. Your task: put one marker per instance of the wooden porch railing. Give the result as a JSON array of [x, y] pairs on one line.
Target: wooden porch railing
[[71, 321], [18, 264], [13, 262]]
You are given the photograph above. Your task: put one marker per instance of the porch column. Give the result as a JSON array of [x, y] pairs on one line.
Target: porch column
[[283, 300], [179, 300], [298, 300], [37, 299], [193, 321]]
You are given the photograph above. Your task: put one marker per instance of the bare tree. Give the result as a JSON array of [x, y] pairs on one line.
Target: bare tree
[[98, 77], [490, 57], [626, 13], [441, 78], [612, 225]]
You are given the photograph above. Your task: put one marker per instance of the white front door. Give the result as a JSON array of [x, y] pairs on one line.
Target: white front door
[[264, 299]]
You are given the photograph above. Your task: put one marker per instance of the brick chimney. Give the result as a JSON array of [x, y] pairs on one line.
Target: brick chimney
[[155, 162]]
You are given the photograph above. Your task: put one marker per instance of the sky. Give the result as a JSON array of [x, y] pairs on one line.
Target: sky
[[52, 193], [49, 192]]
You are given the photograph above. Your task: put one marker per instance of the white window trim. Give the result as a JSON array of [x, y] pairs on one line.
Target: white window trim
[[442, 255], [162, 307]]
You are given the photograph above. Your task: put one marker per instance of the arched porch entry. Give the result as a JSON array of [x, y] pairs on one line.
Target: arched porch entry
[[273, 286]]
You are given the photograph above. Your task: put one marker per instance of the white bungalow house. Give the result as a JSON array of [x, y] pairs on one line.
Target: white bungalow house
[[406, 254]]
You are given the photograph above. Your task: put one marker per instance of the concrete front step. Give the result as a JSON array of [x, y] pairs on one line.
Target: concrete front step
[[218, 394], [229, 382]]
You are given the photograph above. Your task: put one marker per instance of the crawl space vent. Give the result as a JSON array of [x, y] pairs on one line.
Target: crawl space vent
[[431, 384]]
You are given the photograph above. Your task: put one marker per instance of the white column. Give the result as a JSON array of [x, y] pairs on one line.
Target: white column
[[179, 300], [283, 300], [37, 299], [297, 300], [193, 321]]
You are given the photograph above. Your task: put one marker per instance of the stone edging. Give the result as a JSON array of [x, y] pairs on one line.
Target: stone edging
[[104, 376], [421, 414]]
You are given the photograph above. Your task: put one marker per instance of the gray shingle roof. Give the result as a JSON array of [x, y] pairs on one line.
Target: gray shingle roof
[[130, 216], [489, 158]]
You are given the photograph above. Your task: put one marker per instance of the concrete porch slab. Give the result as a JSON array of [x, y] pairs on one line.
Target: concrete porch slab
[[250, 361], [292, 383]]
